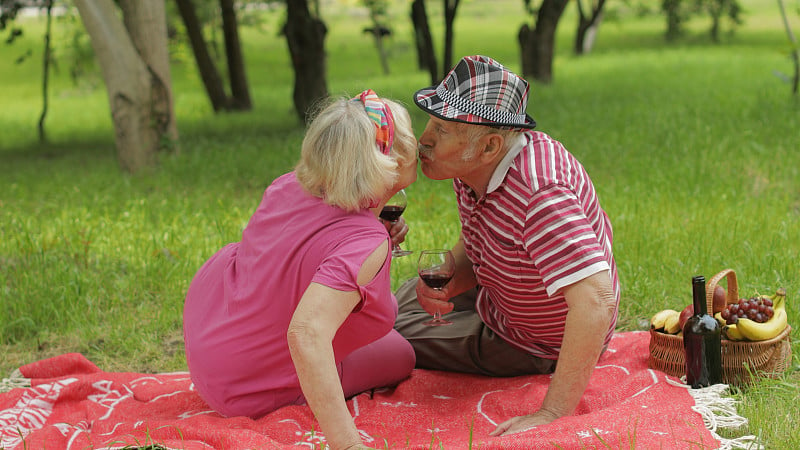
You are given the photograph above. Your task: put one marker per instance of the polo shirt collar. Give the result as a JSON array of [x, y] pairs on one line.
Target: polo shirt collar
[[502, 169]]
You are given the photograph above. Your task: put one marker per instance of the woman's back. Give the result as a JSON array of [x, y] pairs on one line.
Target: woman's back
[[241, 301]]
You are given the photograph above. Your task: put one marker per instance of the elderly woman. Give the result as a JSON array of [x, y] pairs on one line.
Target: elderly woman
[[301, 310]]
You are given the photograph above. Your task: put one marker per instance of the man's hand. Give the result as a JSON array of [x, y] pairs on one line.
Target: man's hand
[[359, 446], [433, 300], [524, 423], [463, 280], [592, 305]]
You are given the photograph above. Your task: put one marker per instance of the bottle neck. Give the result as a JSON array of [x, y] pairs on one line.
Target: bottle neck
[[699, 295]]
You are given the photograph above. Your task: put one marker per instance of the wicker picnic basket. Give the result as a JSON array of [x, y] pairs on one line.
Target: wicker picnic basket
[[742, 361]]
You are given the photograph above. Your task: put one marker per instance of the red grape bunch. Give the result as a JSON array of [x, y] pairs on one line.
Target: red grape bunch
[[757, 309]]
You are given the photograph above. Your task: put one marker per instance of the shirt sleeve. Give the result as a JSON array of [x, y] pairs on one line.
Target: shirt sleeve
[[560, 239], [339, 269]]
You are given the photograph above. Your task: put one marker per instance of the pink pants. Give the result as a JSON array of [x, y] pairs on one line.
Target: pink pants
[[384, 362]]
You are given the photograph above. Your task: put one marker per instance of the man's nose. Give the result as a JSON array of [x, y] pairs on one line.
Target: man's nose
[[424, 142]]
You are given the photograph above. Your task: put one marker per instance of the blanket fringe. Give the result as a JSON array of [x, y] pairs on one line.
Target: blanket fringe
[[719, 412], [15, 380]]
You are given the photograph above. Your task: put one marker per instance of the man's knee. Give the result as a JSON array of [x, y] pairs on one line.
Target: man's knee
[[406, 296]]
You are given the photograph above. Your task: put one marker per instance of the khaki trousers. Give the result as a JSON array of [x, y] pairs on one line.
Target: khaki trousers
[[467, 345]]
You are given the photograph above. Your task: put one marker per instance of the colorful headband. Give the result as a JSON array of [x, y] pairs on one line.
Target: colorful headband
[[381, 114]]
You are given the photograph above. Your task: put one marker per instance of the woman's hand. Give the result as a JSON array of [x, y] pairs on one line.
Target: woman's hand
[[397, 230]]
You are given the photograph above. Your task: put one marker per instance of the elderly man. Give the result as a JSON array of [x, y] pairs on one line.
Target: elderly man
[[536, 288]]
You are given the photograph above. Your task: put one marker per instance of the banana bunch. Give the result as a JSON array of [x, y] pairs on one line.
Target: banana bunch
[[750, 330], [730, 332], [667, 320]]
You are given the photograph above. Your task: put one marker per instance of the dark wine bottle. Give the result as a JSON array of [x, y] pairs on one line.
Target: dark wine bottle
[[701, 341]]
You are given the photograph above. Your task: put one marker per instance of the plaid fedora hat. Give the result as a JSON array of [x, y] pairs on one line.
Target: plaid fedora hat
[[481, 91]]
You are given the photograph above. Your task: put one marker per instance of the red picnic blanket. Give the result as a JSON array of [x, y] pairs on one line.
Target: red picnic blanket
[[72, 404]]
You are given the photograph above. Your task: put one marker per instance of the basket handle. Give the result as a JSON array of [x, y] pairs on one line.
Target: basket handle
[[732, 295]]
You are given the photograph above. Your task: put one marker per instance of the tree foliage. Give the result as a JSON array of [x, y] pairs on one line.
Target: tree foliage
[[678, 12], [8, 12]]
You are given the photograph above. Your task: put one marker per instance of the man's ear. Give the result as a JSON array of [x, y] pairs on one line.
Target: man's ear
[[492, 145]]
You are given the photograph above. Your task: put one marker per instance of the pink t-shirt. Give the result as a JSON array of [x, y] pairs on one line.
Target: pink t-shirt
[[240, 303]]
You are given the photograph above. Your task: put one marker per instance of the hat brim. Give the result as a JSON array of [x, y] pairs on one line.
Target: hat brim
[[430, 102]]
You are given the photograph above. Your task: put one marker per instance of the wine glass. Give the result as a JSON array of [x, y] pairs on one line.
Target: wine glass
[[391, 212], [436, 268]]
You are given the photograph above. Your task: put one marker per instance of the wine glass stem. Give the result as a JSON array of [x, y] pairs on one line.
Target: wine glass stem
[[396, 247]]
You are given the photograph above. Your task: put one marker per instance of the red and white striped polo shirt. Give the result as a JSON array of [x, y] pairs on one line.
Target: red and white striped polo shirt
[[538, 229]]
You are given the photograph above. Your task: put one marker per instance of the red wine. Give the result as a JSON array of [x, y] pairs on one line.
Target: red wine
[[435, 280], [701, 340], [391, 213]]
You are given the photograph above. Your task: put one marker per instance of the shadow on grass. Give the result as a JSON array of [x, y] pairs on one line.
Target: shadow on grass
[[220, 131]]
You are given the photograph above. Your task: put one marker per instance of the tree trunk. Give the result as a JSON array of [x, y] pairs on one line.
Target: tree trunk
[[715, 10], [240, 92], [377, 35], [215, 88], [46, 70], [305, 36], [795, 48], [381, 52], [146, 22], [587, 27], [672, 8], [538, 45], [714, 30], [138, 84], [417, 16], [450, 9], [426, 56]]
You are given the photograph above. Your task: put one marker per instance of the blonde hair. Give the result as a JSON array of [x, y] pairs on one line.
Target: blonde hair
[[340, 161]]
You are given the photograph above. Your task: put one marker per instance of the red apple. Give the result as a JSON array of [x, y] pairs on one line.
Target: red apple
[[719, 299], [685, 314]]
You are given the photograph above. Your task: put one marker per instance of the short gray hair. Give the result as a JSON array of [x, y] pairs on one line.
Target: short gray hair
[[473, 132]]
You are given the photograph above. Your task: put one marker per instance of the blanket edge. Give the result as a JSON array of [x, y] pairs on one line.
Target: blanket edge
[[15, 380]]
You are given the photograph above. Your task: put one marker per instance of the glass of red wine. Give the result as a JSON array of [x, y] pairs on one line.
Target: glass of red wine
[[436, 268], [391, 212]]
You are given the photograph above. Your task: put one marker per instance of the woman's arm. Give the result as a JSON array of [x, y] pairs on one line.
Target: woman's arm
[[318, 316]]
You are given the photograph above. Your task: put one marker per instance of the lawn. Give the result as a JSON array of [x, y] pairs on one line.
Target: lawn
[[694, 148]]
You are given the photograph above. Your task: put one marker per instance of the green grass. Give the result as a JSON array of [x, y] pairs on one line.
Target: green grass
[[694, 149]]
